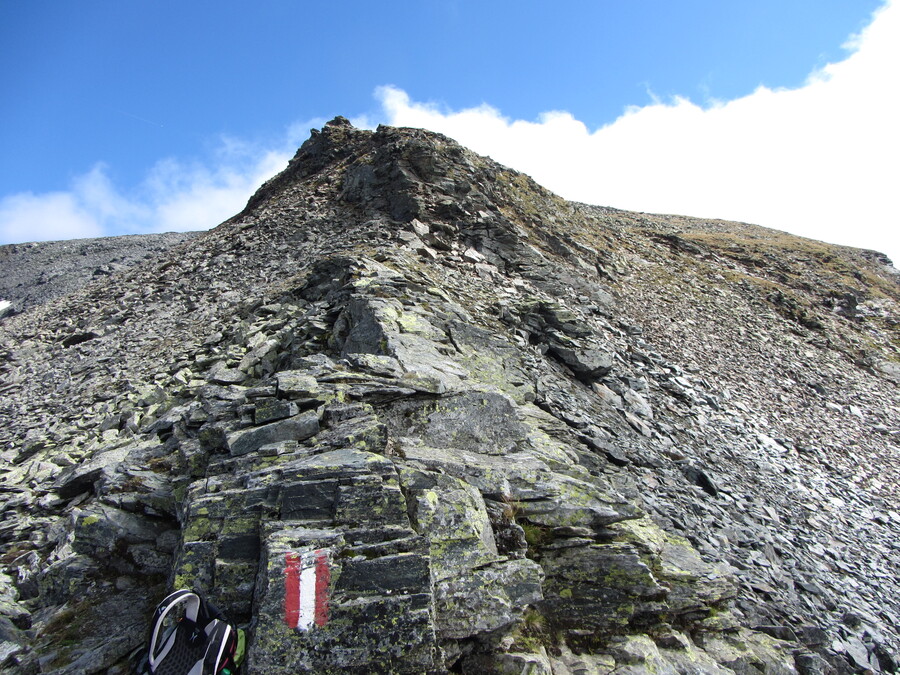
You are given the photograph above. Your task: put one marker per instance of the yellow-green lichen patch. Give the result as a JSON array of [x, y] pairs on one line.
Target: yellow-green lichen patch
[[643, 533], [746, 650]]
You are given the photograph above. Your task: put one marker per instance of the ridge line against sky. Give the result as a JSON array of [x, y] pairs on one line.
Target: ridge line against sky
[[818, 160]]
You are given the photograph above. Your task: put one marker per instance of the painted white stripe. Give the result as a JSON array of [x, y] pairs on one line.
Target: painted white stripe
[[307, 592]]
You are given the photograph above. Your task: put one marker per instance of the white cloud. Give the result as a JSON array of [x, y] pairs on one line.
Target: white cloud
[[174, 196], [55, 215], [191, 197], [819, 160]]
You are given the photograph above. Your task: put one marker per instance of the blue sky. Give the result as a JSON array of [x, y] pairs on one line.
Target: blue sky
[[155, 115]]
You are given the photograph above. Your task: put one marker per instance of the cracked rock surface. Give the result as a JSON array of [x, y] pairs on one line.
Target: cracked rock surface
[[409, 412]]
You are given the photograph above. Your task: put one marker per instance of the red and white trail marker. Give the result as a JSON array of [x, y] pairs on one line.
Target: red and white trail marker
[[306, 579]]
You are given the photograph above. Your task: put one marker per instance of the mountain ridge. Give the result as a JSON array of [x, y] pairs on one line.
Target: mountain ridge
[[391, 320]]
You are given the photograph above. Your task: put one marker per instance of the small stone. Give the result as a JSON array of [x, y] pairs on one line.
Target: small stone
[[813, 636], [473, 256], [270, 410], [779, 632], [428, 252], [700, 478], [608, 395], [419, 227], [638, 404], [857, 652], [296, 384], [672, 640], [587, 364], [638, 424], [296, 428], [808, 663], [617, 457], [227, 376]]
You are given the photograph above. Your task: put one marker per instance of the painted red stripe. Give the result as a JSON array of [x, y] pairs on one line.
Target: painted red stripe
[[323, 579], [292, 589]]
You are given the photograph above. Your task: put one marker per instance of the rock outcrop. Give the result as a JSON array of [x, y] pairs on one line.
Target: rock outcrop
[[409, 412]]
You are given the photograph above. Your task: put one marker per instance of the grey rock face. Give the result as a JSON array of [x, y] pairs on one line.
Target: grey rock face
[[480, 422], [409, 412]]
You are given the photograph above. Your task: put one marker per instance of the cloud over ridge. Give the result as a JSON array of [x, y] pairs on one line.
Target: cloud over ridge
[[175, 195], [818, 160]]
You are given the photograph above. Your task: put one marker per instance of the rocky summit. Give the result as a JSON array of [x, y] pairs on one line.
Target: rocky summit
[[409, 412]]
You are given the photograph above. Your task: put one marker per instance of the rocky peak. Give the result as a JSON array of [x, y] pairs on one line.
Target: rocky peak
[[511, 433], [389, 170]]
